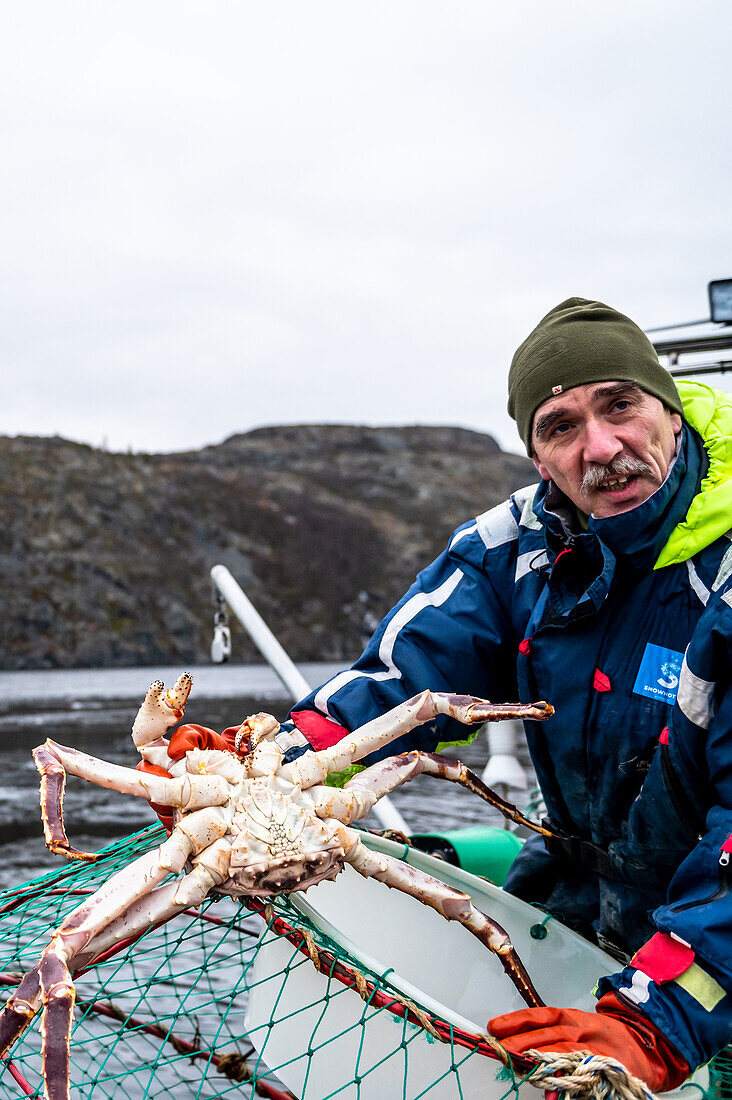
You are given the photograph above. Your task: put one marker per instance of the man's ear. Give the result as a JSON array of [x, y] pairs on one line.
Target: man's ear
[[541, 469], [675, 423]]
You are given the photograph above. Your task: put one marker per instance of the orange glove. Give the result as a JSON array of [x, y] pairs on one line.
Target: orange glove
[[189, 736], [614, 1030]]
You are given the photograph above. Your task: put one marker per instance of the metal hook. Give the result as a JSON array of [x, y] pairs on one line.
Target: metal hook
[[221, 643]]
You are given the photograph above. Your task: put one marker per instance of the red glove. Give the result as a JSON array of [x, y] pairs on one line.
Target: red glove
[[615, 1030]]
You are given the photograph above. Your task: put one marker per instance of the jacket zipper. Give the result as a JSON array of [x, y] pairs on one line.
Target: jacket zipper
[[725, 883]]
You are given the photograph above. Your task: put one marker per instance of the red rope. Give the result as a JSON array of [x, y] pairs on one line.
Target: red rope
[[20, 1079], [183, 1046]]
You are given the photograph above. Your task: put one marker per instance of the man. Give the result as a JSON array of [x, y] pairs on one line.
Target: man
[[587, 591]]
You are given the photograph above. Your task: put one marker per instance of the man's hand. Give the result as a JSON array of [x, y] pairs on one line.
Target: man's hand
[[614, 1030]]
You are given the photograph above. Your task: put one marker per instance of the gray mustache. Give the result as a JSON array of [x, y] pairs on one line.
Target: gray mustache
[[622, 466]]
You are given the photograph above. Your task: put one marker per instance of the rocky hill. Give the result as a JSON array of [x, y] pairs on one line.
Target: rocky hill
[[104, 558]]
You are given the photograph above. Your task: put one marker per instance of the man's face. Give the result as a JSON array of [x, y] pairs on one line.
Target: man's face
[[606, 445]]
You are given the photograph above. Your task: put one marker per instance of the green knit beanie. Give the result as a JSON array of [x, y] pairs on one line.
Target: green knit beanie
[[578, 342]]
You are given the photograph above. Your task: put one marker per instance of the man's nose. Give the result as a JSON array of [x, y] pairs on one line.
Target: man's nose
[[600, 443]]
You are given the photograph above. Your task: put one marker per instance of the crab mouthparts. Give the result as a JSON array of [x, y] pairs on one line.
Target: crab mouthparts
[[285, 875]]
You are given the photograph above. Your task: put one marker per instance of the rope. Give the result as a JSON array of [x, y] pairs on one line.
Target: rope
[[361, 985], [366, 993], [585, 1076], [423, 1018], [235, 1067]]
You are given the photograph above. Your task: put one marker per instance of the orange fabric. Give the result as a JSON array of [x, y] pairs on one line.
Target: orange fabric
[[152, 769], [613, 1030], [189, 736]]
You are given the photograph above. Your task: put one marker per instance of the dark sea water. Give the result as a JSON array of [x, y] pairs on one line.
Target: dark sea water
[[93, 710]]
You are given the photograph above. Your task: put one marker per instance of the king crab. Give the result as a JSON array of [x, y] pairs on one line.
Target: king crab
[[243, 823]]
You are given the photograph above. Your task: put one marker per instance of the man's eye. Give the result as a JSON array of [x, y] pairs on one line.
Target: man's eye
[[621, 405], [560, 429]]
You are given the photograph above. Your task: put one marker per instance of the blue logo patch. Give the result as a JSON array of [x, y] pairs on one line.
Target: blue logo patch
[[658, 675]]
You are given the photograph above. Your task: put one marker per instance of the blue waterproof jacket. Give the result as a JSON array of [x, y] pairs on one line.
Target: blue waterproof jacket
[[525, 604]]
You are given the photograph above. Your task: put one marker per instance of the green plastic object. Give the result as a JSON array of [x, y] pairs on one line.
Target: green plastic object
[[481, 850]]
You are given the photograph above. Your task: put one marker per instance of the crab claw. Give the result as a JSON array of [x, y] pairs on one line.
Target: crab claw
[[470, 710], [255, 728], [161, 710]]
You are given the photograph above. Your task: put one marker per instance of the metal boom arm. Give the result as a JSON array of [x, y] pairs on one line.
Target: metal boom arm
[[289, 674]]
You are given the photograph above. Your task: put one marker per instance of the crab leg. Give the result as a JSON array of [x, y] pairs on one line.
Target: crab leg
[[19, 1010], [53, 783], [28, 998], [449, 903], [159, 906], [54, 762], [313, 767], [358, 796], [163, 903], [156, 907]]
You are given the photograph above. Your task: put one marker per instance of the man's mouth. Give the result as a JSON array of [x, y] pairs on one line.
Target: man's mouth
[[617, 477], [616, 483]]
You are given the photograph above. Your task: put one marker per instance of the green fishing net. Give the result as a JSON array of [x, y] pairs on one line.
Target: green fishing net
[[238, 1000], [167, 1015]]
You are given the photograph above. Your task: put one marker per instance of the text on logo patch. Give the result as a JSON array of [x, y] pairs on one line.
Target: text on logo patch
[[658, 675]]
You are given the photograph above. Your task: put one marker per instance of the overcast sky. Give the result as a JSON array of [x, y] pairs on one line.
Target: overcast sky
[[218, 216]]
